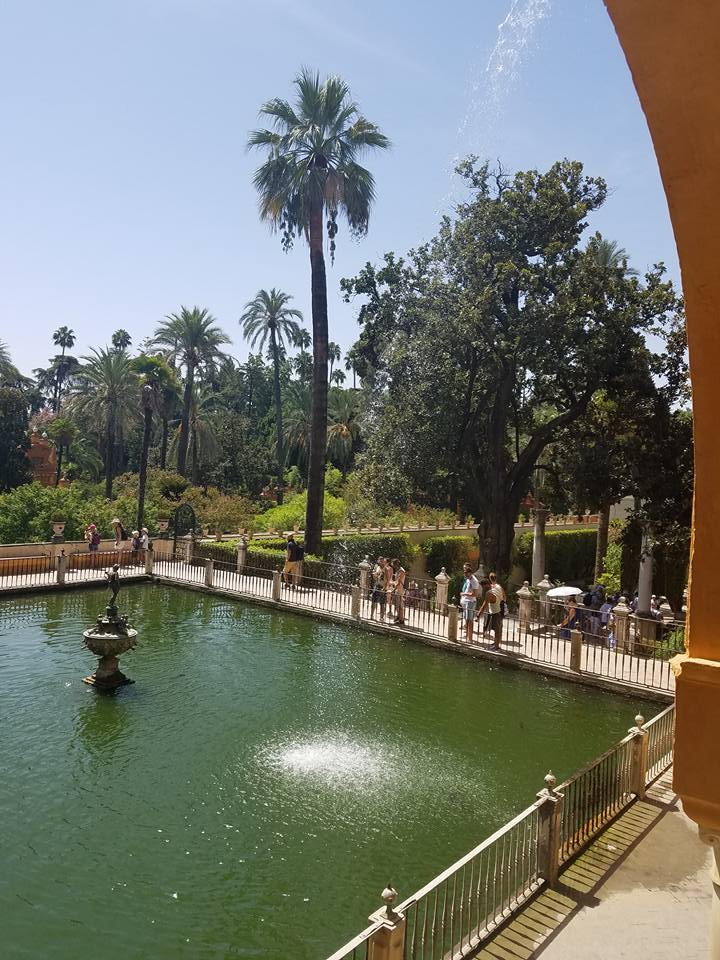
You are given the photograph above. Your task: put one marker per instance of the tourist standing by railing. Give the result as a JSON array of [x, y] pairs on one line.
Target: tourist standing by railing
[[378, 596], [468, 600], [398, 589], [493, 605]]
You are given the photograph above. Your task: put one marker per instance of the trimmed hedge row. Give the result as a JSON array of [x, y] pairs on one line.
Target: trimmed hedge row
[[569, 555], [448, 552]]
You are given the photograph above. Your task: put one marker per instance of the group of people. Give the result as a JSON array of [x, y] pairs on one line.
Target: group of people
[[388, 594], [138, 539], [483, 598]]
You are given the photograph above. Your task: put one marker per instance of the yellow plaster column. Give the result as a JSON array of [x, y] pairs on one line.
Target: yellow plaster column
[[673, 50]]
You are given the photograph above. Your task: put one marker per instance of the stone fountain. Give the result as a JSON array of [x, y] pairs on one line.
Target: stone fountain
[[110, 637]]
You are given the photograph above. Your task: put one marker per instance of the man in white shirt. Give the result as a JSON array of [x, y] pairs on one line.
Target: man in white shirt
[[468, 600]]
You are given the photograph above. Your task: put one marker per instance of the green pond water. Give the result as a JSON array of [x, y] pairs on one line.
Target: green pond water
[[263, 779]]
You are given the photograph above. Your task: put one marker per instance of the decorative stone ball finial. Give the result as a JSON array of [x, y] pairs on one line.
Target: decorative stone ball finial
[[639, 721], [550, 781], [389, 895]]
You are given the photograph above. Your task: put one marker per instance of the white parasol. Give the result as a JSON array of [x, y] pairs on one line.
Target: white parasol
[[562, 593]]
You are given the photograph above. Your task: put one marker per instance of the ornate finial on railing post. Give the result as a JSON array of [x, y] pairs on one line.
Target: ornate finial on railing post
[[441, 594], [550, 809], [389, 895], [640, 751], [550, 782]]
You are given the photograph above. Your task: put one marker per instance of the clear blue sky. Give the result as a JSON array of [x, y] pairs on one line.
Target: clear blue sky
[[125, 187]]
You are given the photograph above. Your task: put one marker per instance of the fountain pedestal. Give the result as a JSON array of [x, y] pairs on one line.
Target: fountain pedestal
[[110, 637]]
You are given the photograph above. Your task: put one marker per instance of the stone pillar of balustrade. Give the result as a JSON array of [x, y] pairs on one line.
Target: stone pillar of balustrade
[[550, 811], [621, 628], [209, 572], [576, 639], [365, 568], [388, 940], [441, 594], [149, 560], [543, 586], [276, 585], [355, 601], [452, 623], [62, 565], [525, 599], [639, 763], [242, 549]]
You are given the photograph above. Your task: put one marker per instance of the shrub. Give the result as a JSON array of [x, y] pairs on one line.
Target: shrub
[[569, 555], [292, 513], [448, 552], [612, 564]]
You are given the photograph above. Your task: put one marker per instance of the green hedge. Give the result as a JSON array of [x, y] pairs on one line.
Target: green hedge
[[448, 552], [569, 555]]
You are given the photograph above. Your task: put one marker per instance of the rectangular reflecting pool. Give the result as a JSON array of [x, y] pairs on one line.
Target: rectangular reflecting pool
[[261, 781]]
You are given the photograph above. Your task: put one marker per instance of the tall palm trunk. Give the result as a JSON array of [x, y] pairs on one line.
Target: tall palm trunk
[[142, 480], [318, 427], [602, 538], [59, 464], [194, 462], [109, 449], [164, 444], [278, 416], [185, 420]]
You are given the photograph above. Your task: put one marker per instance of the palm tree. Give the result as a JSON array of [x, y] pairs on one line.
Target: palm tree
[[344, 429], [268, 317], [107, 392], [121, 339], [62, 432], [157, 377], [333, 357], [351, 357], [9, 373], [63, 337], [337, 377], [311, 171], [192, 337], [298, 423], [203, 443]]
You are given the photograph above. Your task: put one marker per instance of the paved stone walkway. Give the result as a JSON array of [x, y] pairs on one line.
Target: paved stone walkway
[[641, 889]]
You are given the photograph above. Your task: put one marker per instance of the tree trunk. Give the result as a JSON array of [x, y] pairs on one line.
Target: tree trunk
[[278, 417], [602, 538], [59, 465], [142, 479], [109, 449], [185, 420], [496, 532], [194, 462], [318, 428], [164, 444]]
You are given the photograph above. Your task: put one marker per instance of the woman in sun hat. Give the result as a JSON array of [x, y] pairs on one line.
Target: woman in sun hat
[[120, 534]]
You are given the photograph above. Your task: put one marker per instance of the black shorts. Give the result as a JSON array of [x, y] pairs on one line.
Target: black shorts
[[378, 596]]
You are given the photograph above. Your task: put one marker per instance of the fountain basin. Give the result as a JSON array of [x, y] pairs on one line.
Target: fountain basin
[[108, 639]]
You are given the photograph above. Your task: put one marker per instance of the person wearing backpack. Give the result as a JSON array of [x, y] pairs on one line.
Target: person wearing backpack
[[293, 555]]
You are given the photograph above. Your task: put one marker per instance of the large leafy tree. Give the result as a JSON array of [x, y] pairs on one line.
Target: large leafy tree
[[107, 394], [311, 173], [193, 340], [488, 344], [14, 440], [268, 317], [62, 432]]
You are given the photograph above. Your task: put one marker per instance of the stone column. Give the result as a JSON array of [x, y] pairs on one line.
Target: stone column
[[209, 572], [355, 601], [550, 808], [621, 627], [62, 564], [525, 599], [242, 548], [543, 586], [452, 623], [276, 586], [388, 941], [189, 547], [576, 639], [441, 594], [149, 559], [645, 577], [365, 568], [638, 773], [540, 515]]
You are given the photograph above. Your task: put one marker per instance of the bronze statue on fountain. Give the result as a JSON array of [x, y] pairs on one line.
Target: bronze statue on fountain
[[110, 637]]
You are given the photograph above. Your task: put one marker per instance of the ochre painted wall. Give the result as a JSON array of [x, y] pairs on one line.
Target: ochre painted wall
[[673, 50]]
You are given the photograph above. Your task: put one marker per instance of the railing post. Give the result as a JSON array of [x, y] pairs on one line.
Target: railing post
[[640, 746], [365, 568], [441, 594], [543, 587], [62, 562], [149, 559], [550, 811], [209, 572], [242, 548], [277, 585], [388, 941], [452, 611], [189, 547], [576, 639], [355, 602], [621, 625], [525, 598]]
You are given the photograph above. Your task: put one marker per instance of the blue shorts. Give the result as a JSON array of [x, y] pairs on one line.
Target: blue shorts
[[468, 608]]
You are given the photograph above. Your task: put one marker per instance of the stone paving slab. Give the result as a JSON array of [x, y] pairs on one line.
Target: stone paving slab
[[641, 889]]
